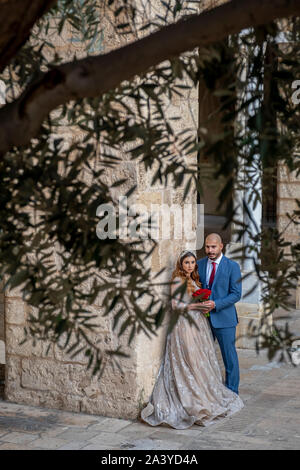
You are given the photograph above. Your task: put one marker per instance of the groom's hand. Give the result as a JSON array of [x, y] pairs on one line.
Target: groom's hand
[[199, 306], [210, 304]]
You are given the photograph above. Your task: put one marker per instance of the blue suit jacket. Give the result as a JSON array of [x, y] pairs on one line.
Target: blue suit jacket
[[226, 291]]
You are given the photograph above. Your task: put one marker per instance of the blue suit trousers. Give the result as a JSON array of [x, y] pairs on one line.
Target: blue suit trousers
[[226, 340]]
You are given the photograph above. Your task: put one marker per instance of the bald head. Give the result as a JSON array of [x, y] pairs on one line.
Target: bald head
[[213, 246], [213, 237]]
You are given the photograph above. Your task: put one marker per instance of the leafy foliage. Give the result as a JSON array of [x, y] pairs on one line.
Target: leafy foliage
[[50, 191]]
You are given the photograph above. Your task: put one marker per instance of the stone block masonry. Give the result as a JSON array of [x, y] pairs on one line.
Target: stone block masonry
[[54, 380]]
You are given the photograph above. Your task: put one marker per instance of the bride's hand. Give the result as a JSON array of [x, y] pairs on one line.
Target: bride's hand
[[198, 306]]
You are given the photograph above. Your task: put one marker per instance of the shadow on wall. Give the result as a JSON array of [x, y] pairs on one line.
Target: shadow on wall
[[2, 347], [2, 369]]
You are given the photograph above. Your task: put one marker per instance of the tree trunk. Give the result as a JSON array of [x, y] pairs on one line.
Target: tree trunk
[[93, 76]]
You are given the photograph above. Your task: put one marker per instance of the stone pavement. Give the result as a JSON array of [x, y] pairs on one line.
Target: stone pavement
[[270, 419]]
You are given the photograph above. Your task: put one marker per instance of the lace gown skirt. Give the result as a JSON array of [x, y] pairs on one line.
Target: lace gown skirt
[[189, 388]]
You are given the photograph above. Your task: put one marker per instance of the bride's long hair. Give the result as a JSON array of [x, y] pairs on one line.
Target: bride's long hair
[[180, 272]]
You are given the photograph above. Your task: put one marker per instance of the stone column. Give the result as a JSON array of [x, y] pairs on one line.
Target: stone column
[[250, 307]]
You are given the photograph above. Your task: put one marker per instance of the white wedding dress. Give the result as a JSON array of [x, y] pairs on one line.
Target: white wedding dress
[[189, 388]]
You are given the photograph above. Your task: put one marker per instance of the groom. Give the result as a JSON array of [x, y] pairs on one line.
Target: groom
[[221, 275]]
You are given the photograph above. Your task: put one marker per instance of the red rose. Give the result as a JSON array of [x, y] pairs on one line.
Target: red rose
[[203, 293]]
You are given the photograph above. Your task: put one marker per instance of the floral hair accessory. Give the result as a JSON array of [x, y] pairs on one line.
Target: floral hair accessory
[[185, 252]]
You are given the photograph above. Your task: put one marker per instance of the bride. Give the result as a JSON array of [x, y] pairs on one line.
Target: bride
[[189, 388]]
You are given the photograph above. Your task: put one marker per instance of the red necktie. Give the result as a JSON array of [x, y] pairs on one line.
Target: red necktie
[[212, 276]]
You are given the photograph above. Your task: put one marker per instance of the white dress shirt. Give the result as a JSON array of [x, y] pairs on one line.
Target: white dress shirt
[[209, 267]]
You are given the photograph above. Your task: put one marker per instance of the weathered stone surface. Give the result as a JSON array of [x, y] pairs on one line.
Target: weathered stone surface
[[13, 379], [60, 381], [268, 420], [15, 336], [149, 356], [149, 197], [45, 375], [283, 221], [2, 380], [113, 408], [10, 446], [286, 205], [2, 327], [111, 425], [289, 190], [15, 311], [123, 170], [2, 352], [50, 399], [155, 260], [47, 443], [286, 176], [20, 438], [98, 338]]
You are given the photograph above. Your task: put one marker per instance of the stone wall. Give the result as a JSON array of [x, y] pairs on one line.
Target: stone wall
[[2, 334], [2, 346], [288, 192], [54, 379], [2, 327], [49, 377]]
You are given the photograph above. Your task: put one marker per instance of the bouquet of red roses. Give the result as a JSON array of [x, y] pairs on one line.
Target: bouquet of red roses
[[201, 295]]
